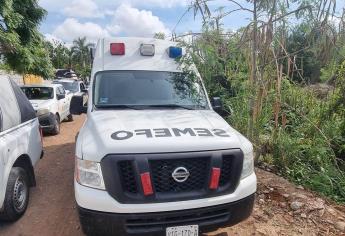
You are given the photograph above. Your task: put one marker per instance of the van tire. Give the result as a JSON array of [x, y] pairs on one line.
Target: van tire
[[56, 129], [16, 196], [70, 118]]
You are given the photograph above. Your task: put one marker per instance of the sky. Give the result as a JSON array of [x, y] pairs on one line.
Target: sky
[[69, 19]]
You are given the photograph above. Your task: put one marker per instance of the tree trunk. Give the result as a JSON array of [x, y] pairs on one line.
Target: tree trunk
[[253, 77]]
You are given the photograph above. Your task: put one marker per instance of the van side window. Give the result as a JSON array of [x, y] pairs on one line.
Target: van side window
[[0, 120], [11, 116], [26, 110]]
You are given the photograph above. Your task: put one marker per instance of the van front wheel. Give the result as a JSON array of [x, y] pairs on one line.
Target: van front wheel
[[70, 118], [17, 195]]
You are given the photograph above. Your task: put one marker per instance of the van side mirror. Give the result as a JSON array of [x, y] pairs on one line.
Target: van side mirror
[[60, 96], [217, 106], [92, 53], [77, 105], [216, 103]]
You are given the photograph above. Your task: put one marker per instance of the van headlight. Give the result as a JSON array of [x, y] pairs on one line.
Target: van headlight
[[89, 173], [248, 165]]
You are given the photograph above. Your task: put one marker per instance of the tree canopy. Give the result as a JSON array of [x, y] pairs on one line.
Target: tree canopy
[[21, 42]]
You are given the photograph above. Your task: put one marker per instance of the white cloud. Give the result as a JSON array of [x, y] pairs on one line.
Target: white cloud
[[71, 29], [55, 40], [51, 38], [82, 9], [335, 21], [60, 5], [158, 3], [133, 22]]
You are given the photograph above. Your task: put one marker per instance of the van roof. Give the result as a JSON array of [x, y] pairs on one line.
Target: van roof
[[133, 60], [41, 85], [65, 80]]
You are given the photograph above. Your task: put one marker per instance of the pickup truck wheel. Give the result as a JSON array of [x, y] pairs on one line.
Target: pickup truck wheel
[[56, 129], [16, 196], [70, 118]]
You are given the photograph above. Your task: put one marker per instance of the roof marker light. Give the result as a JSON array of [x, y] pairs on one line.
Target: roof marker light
[[117, 49], [147, 49], [175, 52]]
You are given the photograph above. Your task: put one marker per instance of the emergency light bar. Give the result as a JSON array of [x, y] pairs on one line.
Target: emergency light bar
[[147, 49], [175, 52], [117, 49]]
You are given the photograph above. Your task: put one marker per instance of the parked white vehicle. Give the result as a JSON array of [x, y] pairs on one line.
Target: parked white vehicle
[[20, 149], [51, 104], [72, 86], [153, 156]]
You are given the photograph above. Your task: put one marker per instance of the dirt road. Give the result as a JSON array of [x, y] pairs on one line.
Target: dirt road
[[281, 207]]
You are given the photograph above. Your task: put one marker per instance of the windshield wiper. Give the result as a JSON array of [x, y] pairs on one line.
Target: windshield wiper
[[133, 107], [172, 106]]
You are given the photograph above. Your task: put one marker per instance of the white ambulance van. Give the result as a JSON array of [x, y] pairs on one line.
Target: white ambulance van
[[153, 156], [20, 149]]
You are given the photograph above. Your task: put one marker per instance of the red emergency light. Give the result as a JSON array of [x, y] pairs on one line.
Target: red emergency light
[[215, 174], [146, 183], [117, 49]]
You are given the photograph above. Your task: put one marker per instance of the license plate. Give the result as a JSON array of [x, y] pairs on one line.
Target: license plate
[[188, 230]]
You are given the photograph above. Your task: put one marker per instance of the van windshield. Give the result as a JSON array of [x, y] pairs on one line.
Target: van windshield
[[38, 93], [70, 86], [141, 89]]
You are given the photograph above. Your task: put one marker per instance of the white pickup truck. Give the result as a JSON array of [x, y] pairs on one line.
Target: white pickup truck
[[153, 156], [72, 86], [20, 149], [51, 104]]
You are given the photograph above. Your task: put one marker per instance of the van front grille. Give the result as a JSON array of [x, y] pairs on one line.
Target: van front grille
[[129, 184], [163, 181], [126, 187]]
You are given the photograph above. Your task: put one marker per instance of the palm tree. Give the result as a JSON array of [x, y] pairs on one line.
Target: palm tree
[[80, 51], [81, 57]]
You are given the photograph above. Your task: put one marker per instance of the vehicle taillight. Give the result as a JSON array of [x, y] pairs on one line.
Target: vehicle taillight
[[146, 183], [215, 174], [117, 49]]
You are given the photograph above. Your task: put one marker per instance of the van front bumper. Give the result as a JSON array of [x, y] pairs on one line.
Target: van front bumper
[[100, 200], [207, 218], [101, 214]]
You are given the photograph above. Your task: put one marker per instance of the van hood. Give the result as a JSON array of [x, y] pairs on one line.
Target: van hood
[[152, 131], [41, 104]]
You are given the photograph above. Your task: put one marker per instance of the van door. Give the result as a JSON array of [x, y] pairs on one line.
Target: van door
[[65, 102], [61, 104], [2, 160]]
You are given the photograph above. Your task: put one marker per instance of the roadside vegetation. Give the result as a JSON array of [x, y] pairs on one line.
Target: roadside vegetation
[[24, 49], [76, 57], [22, 45], [282, 79]]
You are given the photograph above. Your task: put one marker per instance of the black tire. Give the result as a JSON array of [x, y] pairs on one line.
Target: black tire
[[70, 118], [56, 129], [16, 196]]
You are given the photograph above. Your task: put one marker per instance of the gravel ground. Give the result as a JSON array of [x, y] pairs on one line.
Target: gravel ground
[[281, 207]]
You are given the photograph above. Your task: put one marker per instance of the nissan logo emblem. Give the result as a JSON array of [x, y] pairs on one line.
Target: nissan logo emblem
[[180, 174]]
